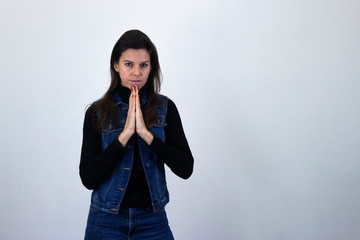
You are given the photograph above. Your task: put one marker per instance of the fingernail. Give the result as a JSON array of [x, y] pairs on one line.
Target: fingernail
[[131, 88]]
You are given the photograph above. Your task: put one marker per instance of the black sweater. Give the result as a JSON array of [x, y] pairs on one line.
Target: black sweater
[[96, 165]]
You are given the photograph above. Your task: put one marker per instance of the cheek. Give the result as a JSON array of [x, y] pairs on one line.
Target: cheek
[[148, 73], [122, 73]]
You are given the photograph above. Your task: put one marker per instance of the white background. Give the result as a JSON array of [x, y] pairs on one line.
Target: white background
[[268, 92]]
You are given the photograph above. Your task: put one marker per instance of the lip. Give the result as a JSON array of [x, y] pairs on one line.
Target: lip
[[135, 82]]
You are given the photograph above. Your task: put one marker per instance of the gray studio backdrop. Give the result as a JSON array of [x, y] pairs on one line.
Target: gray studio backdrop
[[268, 92]]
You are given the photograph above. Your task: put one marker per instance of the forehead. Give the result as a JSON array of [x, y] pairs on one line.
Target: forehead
[[135, 55]]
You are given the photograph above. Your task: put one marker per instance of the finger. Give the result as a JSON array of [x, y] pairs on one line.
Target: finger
[[136, 92], [137, 100], [132, 100]]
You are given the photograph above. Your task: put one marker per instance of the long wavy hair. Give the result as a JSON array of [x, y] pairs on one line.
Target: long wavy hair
[[105, 107]]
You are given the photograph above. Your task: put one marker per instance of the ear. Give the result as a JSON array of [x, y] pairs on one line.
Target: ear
[[116, 66]]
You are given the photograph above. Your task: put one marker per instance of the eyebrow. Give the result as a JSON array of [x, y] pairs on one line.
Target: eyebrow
[[132, 61]]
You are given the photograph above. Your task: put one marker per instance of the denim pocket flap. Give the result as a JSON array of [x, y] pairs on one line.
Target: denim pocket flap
[[114, 127], [160, 121]]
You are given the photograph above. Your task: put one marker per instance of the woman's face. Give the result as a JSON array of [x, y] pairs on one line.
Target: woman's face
[[133, 67]]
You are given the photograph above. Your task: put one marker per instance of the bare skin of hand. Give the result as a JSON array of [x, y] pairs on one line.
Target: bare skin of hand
[[135, 121]]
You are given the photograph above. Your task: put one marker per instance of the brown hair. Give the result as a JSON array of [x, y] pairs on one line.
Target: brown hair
[[105, 106]]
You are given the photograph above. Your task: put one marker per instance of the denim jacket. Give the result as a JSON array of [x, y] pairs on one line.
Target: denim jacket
[[109, 194]]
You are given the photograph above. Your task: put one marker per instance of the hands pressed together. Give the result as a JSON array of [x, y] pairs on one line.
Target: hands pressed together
[[135, 120]]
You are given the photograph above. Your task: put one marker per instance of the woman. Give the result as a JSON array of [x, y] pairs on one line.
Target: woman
[[128, 136]]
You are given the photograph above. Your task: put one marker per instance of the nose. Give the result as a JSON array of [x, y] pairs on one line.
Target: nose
[[136, 71]]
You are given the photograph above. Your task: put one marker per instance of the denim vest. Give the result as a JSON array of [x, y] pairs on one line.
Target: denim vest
[[109, 194]]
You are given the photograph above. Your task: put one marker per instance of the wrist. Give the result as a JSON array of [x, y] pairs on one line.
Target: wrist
[[124, 138], [147, 136]]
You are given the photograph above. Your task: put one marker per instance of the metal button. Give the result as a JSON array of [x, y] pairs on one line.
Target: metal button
[[120, 188]]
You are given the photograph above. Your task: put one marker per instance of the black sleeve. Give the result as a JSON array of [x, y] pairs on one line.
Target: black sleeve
[[95, 164], [175, 152]]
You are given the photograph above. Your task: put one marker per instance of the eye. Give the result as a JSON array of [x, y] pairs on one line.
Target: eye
[[144, 65], [128, 64]]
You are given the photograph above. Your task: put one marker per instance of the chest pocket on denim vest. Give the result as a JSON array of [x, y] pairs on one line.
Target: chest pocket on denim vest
[[112, 131], [158, 128]]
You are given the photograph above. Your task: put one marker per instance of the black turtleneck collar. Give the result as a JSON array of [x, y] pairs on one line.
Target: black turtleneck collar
[[124, 93]]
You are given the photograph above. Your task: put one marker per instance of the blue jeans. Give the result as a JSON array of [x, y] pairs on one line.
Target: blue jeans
[[129, 224]]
